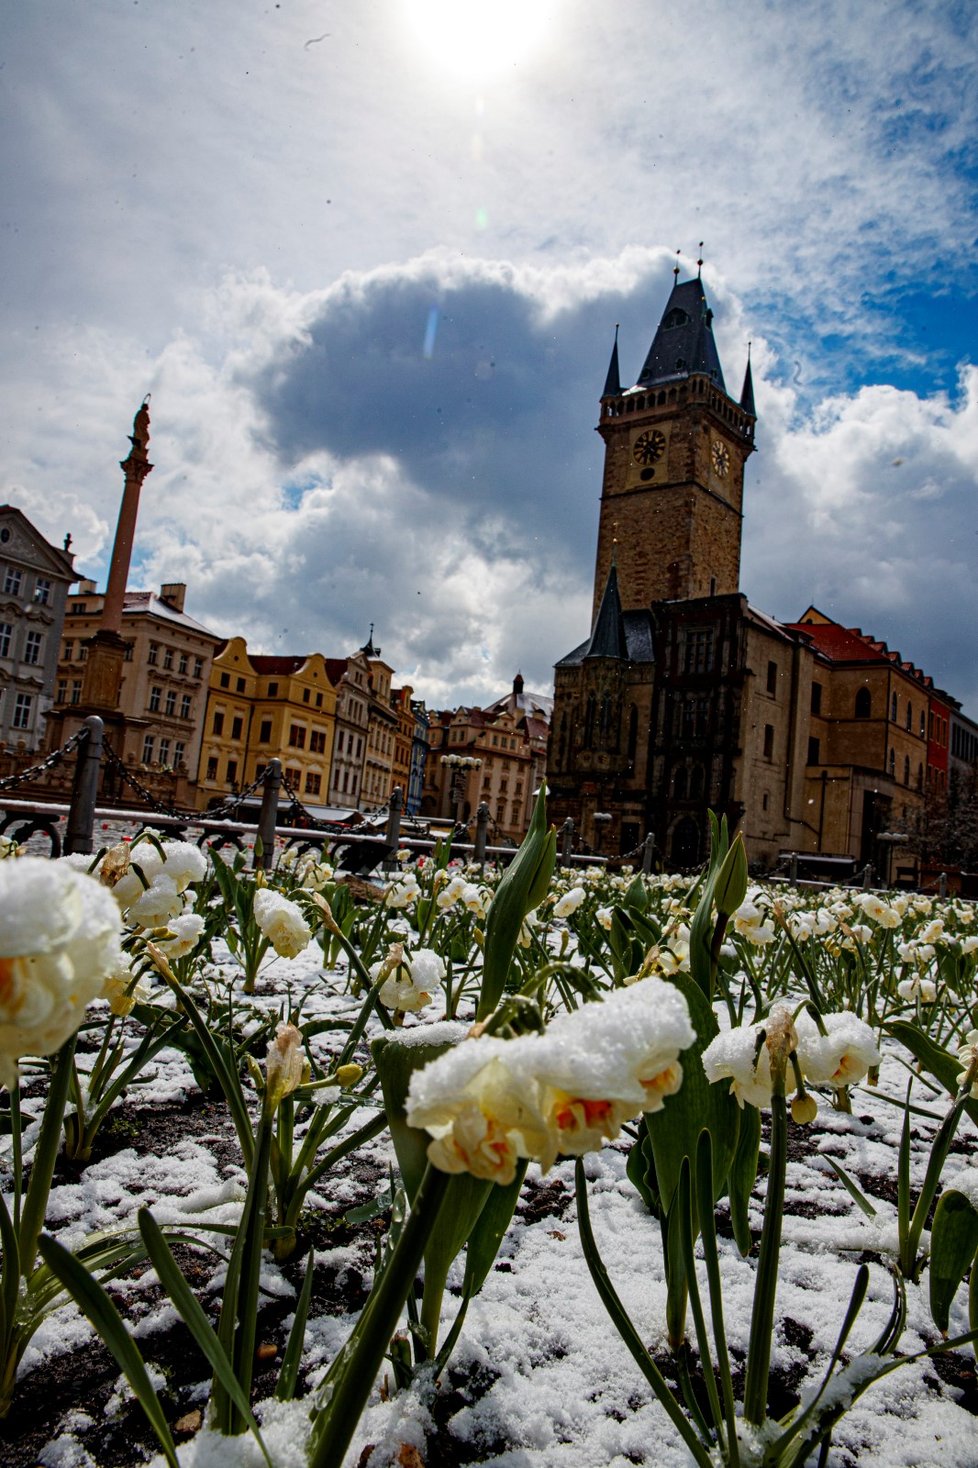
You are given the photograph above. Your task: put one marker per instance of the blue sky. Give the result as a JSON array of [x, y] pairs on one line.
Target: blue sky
[[369, 259]]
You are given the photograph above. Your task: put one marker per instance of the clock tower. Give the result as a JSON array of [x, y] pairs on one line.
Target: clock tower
[[675, 448]]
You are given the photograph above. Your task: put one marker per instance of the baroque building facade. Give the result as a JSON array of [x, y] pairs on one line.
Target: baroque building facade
[[808, 736], [34, 581]]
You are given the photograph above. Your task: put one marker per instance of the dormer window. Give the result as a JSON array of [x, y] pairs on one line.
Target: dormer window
[[675, 317]]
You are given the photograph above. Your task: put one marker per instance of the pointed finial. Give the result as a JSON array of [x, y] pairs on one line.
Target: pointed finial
[[675, 268], [699, 262]]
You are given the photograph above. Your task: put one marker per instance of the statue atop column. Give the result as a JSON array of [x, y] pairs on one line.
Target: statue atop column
[[139, 438]]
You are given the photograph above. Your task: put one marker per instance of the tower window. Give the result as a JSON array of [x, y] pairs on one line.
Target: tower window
[[817, 698], [814, 751], [772, 677], [699, 650], [863, 704], [768, 741]]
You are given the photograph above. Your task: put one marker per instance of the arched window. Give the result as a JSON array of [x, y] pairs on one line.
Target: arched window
[[680, 783], [632, 732], [696, 782], [864, 704], [605, 717], [909, 715], [893, 708], [920, 776], [589, 722], [562, 743], [892, 763], [906, 769]]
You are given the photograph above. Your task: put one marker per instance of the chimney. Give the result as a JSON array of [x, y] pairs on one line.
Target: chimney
[[174, 593]]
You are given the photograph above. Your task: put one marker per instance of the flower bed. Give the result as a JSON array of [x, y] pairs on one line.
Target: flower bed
[[238, 1132]]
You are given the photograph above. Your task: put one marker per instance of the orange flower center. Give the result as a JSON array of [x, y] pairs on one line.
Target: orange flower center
[[593, 1111]]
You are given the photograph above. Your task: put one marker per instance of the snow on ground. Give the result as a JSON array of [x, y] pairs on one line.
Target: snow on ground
[[563, 1392]]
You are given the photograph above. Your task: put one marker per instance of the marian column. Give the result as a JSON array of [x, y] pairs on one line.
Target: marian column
[[107, 649]]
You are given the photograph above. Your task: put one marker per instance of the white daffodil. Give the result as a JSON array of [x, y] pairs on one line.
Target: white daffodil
[[489, 1101], [286, 1066], [186, 930], [918, 988], [412, 978], [842, 1056], [59, 942], [569, 903], [735, 1055], [968, 1060], [403, 893], [281, 922], [480, 1107]]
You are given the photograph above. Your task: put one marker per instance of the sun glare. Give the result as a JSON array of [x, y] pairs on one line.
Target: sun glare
[[475, 39]]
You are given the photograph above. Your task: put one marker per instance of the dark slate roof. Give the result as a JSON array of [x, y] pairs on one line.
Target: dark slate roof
[[612, 383], [684, 341], [608, 633], [747, 392], [616, 634]]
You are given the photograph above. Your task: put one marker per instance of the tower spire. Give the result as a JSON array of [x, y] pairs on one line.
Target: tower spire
[[747, 391], [683, 343], [612, 383]]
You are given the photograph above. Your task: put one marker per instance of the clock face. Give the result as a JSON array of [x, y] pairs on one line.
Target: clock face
[[649, 446], [721, 457]]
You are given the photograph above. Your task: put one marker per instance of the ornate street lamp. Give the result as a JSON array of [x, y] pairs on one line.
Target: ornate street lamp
[[459, 765]]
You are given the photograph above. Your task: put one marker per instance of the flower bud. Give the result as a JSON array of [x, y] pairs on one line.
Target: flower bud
[[804, 1108], [731, 882], [348, 1075], [286, 1067]]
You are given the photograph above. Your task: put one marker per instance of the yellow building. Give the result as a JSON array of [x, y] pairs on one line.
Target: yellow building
[[261, 708], [165, 675]]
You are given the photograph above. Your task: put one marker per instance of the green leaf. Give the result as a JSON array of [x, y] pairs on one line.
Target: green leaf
[[731, 883], [191, 1313], [675, 1130], [490, 1229], [523, 887], [92, 1299], [856, 1193], [953, 1245], [939, 1063], [743, 1175], [289, 1374], [10, 1275]]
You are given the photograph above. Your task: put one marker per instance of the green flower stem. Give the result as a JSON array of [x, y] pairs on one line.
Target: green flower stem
[[350, 1379], [17, 1152], [765, 1287], [932, 1178], [625, 1328], [45, 1154]]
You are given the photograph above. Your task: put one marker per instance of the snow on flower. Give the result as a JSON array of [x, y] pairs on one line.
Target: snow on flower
[[918, 988], [735, 1055], [187, 930], [569, 903], [286, 1066], [412, 978], [59, 942], [842, 1056], [968, 1060], [489, 1101], [281, 922]]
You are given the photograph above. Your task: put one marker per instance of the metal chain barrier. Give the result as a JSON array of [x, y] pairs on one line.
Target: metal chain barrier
[[127, 778], [231, 806], [11, 782], [310, 822]]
